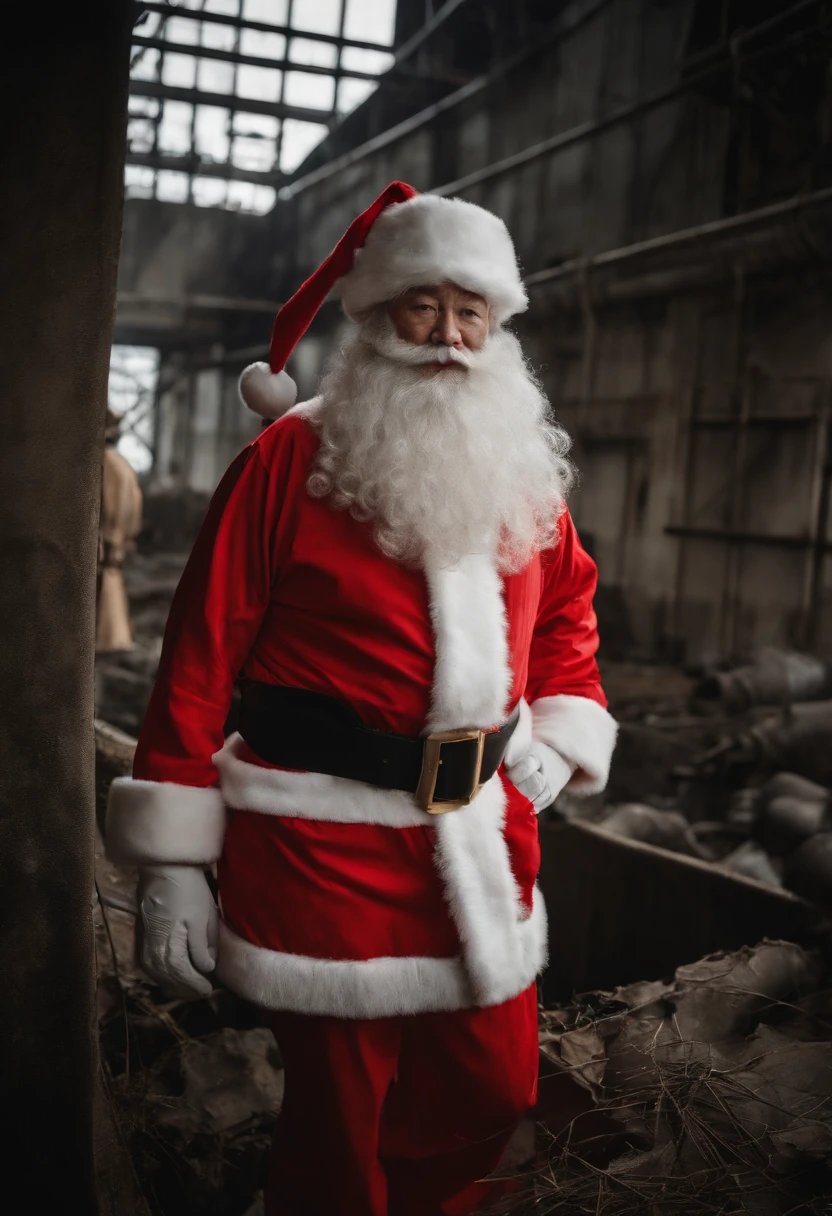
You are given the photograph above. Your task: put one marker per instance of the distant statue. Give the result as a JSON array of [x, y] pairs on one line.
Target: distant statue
[[120, 522]]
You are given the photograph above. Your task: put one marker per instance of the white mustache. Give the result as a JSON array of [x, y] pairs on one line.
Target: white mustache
[[386, 342], [444, 354]]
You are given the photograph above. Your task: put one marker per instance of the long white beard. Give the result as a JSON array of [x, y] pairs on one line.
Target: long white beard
[[449, 464]]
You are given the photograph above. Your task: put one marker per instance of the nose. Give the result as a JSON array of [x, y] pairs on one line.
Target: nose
[[446, 331]]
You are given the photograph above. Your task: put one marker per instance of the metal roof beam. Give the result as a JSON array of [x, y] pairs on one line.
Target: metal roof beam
[[168, 10], [196, 167], [401, 74], [256, 61], [228, 101]]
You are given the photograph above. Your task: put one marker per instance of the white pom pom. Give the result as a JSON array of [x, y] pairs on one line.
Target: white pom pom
[[269, 394]]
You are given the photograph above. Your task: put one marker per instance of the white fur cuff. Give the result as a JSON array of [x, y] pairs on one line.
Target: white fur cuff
[[160, 823], [581, 731]]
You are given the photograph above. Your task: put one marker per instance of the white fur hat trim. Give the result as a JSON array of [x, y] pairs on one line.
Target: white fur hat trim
[[270, 394], [429, 240]]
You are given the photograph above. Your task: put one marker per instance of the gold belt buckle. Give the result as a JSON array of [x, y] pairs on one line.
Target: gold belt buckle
[[432, 758]]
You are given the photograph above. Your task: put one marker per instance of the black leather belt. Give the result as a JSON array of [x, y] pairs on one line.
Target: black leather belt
[[294, 728]]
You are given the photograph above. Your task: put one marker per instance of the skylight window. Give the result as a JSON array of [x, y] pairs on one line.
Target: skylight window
[[213, 123]]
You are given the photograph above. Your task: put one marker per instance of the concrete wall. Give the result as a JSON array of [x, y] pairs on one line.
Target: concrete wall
[[178, 259]]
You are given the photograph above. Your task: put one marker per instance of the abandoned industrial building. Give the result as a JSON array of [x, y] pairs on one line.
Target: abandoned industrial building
[[416, 582]]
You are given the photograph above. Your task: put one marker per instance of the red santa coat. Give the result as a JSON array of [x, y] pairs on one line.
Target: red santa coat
[[338, 897]]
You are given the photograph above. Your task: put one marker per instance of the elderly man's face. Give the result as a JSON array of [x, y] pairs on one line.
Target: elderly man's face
[[445, 315]]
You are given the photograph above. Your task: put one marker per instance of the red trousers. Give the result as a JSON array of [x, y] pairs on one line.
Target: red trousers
[[399, 1116]]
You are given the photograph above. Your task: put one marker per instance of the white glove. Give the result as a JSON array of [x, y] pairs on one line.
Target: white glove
[[540, 774], [180, 926]]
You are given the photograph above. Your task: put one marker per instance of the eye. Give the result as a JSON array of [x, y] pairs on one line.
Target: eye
[[423, 308], [470, 312]]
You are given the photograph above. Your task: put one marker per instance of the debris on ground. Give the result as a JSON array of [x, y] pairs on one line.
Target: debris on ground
[[735, 769], [196, 1085], [775, 677], [666, 829], [708, 1093]]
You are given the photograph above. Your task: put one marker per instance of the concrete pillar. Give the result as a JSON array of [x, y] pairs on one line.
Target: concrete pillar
[[63, 87]]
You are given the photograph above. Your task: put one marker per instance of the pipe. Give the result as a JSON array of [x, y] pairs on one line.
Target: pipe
[[564, 24], [151, 299], [727, 226]]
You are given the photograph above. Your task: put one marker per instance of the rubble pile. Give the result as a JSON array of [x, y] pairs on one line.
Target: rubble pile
[[708, 1093], [736, 771]]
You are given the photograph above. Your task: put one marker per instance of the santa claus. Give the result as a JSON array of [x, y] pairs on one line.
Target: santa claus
[[391, 571]]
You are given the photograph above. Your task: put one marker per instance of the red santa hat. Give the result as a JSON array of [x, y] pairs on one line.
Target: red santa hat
[[402, 240]]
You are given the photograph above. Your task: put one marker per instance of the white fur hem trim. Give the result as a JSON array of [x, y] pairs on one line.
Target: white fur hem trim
[[375, 988], [274, 791], [581, 731], [160, 823]]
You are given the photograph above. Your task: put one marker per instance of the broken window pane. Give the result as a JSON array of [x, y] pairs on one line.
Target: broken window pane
[[264, 125], [261, 84], [147, 107], [299, 138], [211, 133], [240, 196], [371, 21], [138, 181], [144, 64], [175, 128], [134, 371], [316, 92], [245, 196], [253, 153], [140, 134], [148, 25], [171, 187]]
